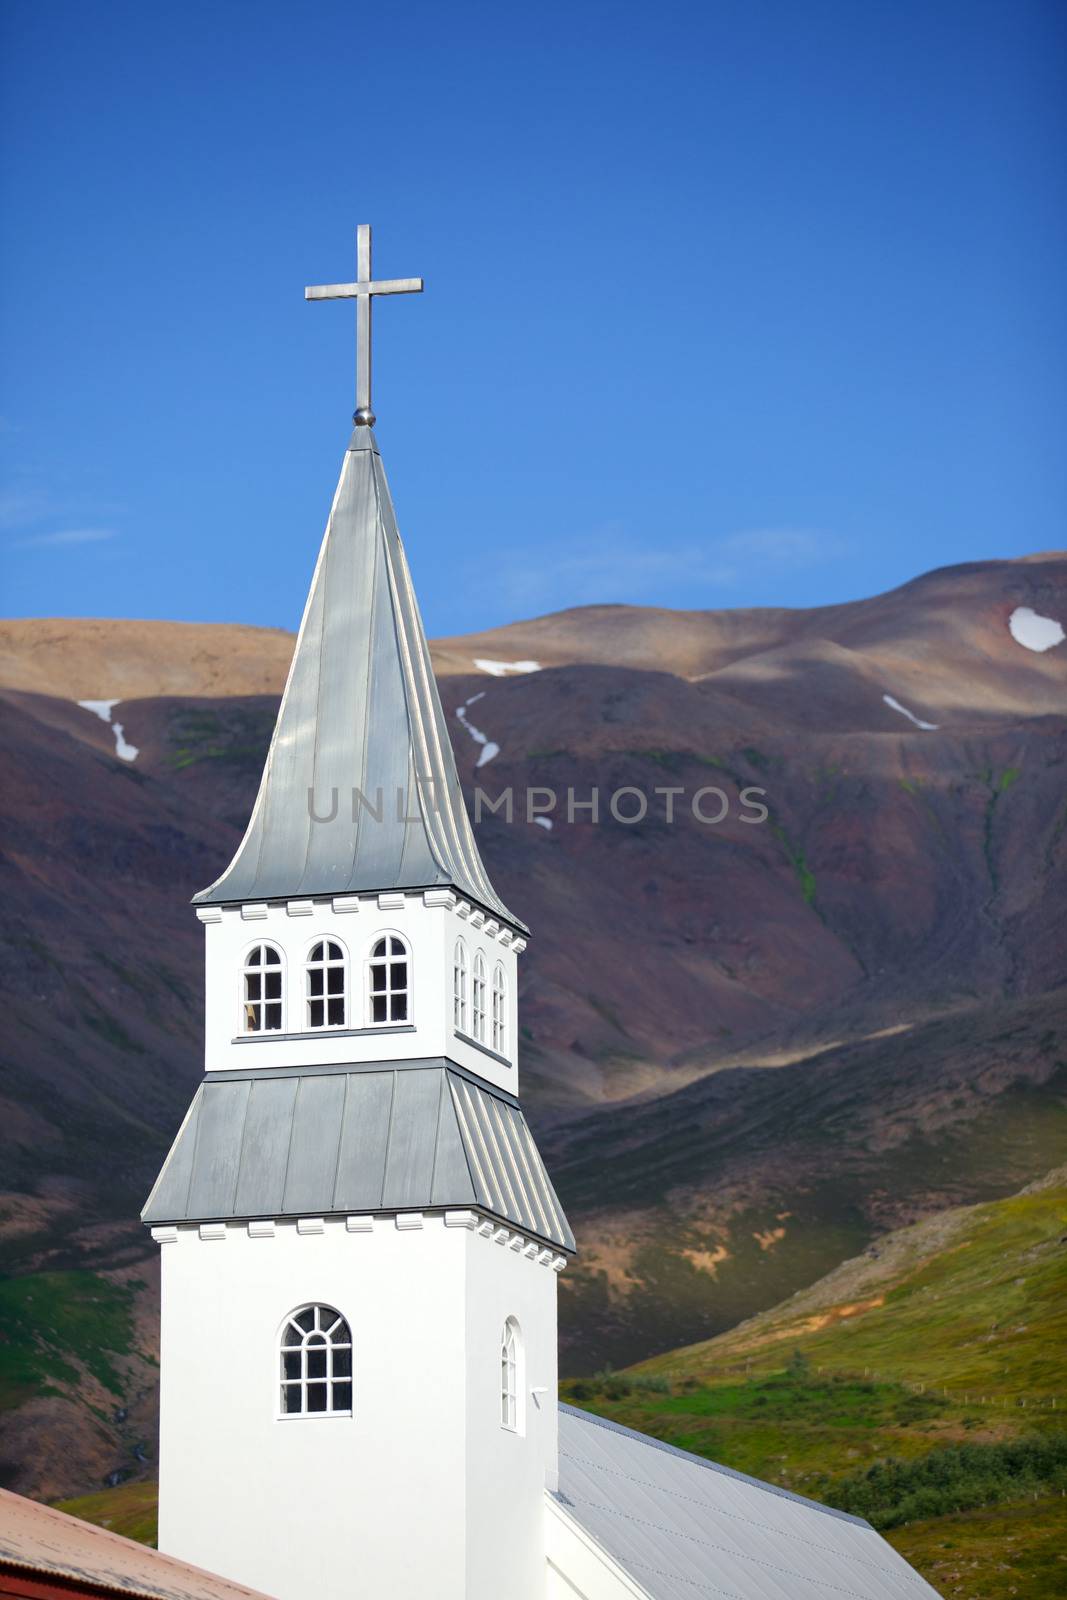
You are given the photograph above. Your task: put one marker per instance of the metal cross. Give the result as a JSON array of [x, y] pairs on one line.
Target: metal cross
[[363, 292]]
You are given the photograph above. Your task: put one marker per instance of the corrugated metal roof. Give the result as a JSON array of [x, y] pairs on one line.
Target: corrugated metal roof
[[39, 1540], [682, 1526], [360, 713], [379, 1137]]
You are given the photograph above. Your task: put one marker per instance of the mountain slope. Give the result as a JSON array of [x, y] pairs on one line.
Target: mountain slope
[[847, 1012], [944, 1350]]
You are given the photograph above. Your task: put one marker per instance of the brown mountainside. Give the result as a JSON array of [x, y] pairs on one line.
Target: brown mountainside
[[748, 1047]]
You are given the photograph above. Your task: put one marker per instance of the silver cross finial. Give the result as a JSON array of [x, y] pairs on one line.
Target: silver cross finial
[[363, 292]]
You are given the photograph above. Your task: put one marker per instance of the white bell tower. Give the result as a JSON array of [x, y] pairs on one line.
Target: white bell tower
[[360, 1244]]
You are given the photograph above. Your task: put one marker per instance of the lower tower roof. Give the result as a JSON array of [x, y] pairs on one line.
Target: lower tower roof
[[384, 1136]]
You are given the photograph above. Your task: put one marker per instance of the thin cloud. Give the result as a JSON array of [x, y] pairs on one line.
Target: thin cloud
[[27, 506], [611, 565], [19, 507], [782, 547], [64, 537]]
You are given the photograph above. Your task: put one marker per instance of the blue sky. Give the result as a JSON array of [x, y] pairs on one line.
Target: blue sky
[[747, 303]]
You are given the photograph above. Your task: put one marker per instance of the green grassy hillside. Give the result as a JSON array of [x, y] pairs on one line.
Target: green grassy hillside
[[970, 1302], [130, 1510], [923, 1385]]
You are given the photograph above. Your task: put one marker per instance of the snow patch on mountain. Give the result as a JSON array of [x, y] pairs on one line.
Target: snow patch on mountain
[[103, 710], [489, 749], [500, 669], [918, 721], [1033, 631]]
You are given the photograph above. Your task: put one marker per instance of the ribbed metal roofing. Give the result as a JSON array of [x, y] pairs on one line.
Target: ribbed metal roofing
[[384, 1137], [360, 715], [682, 1527], [68, 1556]]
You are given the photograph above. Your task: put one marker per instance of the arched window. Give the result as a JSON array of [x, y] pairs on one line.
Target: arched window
[[324, 978], [316, 1364], [460, 966], [478, 996], [389, 980], [511, 1377], [500, 1012], [262, 990]]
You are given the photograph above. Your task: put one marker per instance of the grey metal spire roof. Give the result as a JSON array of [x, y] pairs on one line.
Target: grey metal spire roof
[[410, 1135], [683, 1527], [360, 713]]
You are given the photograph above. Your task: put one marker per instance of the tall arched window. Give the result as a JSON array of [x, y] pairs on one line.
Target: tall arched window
[[478, 996], [324, 980], [500, 1012], [511, 1377], [389, 980], [316, 1364], [262, 990], [460, 967]]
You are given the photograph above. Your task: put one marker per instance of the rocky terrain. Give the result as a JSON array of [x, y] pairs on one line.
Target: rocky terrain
[[748, 1046]]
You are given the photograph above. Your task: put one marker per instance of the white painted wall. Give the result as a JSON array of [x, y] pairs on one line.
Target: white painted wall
[[577, 1567], [421, 1492], [505, 1525], [295, 926]]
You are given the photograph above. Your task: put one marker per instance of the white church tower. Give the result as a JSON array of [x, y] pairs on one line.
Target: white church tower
[[360, 1243]]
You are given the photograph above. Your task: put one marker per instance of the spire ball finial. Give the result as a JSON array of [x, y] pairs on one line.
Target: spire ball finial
[[364, 417]]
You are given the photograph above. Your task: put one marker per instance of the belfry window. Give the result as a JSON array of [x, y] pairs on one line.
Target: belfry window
[[478, 995], [500, 1012], [325, 985], [510, 1376], [460, 973], [316, 1364], [262, 990], [389, 980]]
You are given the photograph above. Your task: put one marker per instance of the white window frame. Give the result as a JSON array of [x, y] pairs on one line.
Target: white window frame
[[478, 998], [312, 1340], [389, 957], [325, 966], [248, 971], [499, 1002], [512, 1377], [461, 967]]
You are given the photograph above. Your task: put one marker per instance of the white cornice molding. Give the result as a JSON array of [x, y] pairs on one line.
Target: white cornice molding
[[311, 1224], [359, 1224], [299, 908], [342, 903], [391, 900], [262, 1228], [440, 897], [165, 1235], [478, 918], [254, 913], [209, 913], [212, 1231], [518, 945], [461, 1219], [408, 1220]]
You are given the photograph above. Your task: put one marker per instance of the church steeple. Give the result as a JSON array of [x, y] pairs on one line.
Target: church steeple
[[357, 1229], [360, 790]]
